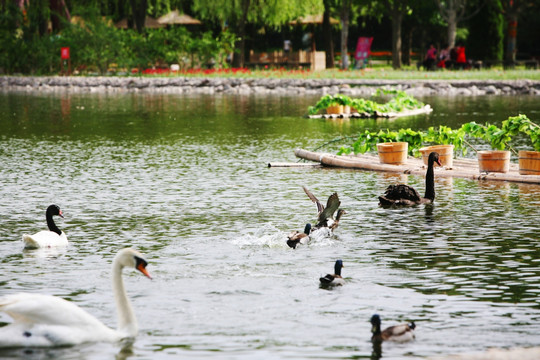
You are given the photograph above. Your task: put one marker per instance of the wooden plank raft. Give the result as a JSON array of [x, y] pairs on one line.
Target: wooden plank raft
[[423, 110], [462, 168]]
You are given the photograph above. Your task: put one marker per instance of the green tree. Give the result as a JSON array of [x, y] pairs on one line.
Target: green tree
[[486, 33], [344, 15], [396, 9], [238, 13], [512, 11], [453, 12], [327, 35], [421, 27]]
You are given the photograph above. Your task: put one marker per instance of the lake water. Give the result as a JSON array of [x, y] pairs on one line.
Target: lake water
[[184, 179]]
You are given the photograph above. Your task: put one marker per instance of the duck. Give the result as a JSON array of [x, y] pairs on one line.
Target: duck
[[334, 279], [333, 226], [296, 237], [405, 195], [325, 215], [41, 320], [321, 232], [47, 238], [397, 333]]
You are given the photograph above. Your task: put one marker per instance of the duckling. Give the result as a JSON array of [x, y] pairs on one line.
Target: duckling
[[297, 237], [398, 333], [333, 279]]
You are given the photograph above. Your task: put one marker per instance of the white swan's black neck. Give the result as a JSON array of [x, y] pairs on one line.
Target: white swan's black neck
[[50, 223]]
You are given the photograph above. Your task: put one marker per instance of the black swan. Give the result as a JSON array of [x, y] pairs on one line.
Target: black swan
[[406, 195], [398, 333]]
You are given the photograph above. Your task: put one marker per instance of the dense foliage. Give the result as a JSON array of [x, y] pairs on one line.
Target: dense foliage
[[497, 138], [486, 33], [32, 31], [98, 47]]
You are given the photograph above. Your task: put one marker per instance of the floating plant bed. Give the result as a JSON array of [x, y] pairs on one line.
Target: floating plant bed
[[462, 168], [426, 109]]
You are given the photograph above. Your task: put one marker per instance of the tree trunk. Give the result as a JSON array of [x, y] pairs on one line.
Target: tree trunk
[[452, 27], [512, 37], [327, 36], [345, 10], [240, 44], [58, 10], [408, 47], [397, 17], [139, 8]]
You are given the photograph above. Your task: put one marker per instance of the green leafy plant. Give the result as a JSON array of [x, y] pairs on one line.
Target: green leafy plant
[[330, 100], [521, 123], [500, 138], [368, 140], [399, 102]]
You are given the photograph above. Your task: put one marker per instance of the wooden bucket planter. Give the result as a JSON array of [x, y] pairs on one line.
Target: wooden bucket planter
[[529, 162], [446, 154], [334, 109], [494, 161], [393, 152]]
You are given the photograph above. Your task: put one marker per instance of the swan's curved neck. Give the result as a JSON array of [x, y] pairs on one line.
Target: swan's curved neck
[[50, 223], [430, 182], [127, 323]]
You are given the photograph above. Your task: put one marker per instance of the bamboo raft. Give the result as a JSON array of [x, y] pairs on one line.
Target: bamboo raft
[[423, 110], [462, 168]]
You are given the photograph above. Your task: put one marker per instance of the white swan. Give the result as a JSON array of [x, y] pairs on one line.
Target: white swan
[[45, 321], [47, 238]]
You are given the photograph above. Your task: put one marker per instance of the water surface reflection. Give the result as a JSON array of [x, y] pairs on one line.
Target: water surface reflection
[[184, 179]]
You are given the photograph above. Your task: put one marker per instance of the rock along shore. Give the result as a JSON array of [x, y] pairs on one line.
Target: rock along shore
[[247, 86]]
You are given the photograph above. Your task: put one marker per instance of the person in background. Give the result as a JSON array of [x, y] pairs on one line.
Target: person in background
[[444, 58], [430, 58], [461, 59], [286, 49], [287, 46], [307, 41]]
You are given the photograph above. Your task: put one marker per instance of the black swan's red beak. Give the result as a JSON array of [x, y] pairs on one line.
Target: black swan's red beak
[[438, 162]]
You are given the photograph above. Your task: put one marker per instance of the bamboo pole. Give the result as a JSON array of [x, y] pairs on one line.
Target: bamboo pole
[[463, 168], [282, 164]]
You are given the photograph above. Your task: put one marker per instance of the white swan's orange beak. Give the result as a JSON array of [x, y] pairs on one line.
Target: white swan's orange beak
[[142, 269]]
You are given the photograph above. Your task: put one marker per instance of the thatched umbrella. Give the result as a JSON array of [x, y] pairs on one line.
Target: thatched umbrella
[[175, 18], [149, 23], [312, 19]]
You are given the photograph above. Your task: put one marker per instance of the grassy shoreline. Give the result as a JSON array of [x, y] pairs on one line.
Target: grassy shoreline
[[378, 73]]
